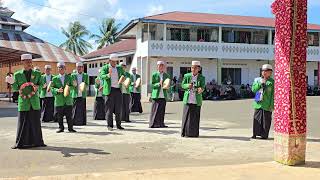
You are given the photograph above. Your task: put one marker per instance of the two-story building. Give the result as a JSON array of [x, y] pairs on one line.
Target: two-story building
[[229, 47]]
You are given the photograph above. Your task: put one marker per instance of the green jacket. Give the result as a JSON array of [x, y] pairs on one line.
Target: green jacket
[[126, 75], [34, 101], [59, 99], [97, 86], [201, 82], [104, 74], [133, 83], [267, 102], [74, 90], [43, 90], [155, 83]]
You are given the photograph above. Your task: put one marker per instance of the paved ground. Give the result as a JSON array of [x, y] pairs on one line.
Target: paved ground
[[224, 144]]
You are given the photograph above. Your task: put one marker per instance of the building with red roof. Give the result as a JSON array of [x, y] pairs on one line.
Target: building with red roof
[[230, 47]]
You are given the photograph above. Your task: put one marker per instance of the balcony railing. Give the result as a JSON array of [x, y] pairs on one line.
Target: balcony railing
[[216, 50]]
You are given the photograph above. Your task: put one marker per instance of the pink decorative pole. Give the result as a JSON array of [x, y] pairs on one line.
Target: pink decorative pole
[[290, 81]]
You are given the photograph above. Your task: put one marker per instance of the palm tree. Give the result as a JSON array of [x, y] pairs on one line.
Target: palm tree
[[107, 33], [75, 42]]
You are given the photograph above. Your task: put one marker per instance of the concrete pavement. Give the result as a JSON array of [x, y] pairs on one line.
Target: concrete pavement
[[223, 148]]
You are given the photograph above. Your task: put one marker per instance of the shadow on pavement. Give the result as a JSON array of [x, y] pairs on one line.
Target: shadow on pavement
[[156, 131], [8, 112], [310, 164], [68, 152], [227, 137]]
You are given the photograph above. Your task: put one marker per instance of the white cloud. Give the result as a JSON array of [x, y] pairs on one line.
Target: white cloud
[[155, 9], [120, 15], [62, 12]]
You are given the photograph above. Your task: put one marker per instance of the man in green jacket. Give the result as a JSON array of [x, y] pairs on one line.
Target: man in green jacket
[[159, 97], [263, 87], [99, 109], [193, 83], [60, 87], [27, 82], [126, 98], [111, 75], [47, 99], [79, 110], [135, 90]]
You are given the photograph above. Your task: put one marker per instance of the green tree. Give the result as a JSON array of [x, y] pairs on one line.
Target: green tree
[[107, 33], [75, 34]]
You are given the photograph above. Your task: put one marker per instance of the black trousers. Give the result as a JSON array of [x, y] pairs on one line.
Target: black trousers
[[158, 111], [136, 103], [79, 111], [261, 123], [47, 109], [190, 120], [99, 109], [113, 106], [62, 111], [29, 133], [125, 110]]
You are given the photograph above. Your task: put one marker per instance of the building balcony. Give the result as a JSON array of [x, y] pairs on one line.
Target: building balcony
[[214, 50]]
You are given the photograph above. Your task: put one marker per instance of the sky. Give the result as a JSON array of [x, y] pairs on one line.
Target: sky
[[47, 17]]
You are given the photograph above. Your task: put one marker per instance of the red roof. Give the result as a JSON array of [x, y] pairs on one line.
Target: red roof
[[207, 18], [121, 46]]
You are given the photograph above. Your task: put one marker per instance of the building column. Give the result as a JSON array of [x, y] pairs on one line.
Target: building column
[[318, 74], [290, 82], [219, 65], [164, 32], [270, 37], [220, 34]]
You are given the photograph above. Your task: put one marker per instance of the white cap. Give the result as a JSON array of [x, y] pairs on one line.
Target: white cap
[[114, 57], [26, 57], [134, 69], [59, 64], [47, 67], [79, 64], [196, 63], [123, 64], [266, 67], [99, 70], [161, 62]]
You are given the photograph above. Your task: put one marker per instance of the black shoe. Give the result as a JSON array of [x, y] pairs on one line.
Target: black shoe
[[59, 131], [110, 128], [14, 147], [120, 128], [72, 131], [127, 121], [164, 126], [254, 137]]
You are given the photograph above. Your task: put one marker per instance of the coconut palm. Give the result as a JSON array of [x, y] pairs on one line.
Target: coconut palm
[[75, 34], [107, 33]]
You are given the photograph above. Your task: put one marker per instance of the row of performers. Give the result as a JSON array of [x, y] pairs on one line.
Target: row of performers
[[69, 98], [68, 94]]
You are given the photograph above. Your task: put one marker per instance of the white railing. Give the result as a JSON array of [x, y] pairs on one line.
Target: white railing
[[216, 50]]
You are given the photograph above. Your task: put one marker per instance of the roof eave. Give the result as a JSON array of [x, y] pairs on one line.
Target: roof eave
[[128, 27]]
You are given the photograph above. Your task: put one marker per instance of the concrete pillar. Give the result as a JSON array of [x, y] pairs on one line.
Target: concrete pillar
[[318, 74], [219, 65], [270, 37], [290, 81], [220, 34], [164, 32]]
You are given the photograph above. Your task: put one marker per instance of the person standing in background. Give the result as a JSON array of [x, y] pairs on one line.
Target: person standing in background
[[159, 97], [263, 87], [80, 81], [194, 84], [99, 111], [47, 99], [126, 98], [135, 89]]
